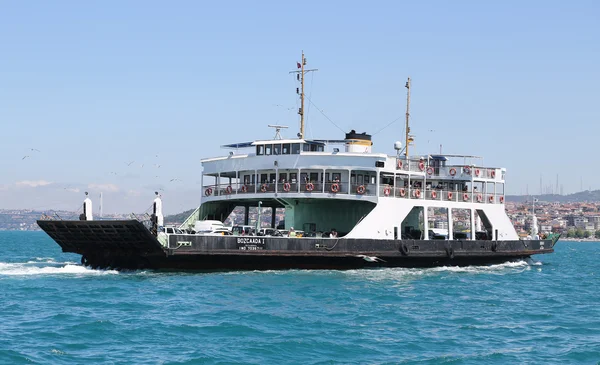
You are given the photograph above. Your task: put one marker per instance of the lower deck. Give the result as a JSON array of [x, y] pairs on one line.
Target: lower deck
[[101, 246]]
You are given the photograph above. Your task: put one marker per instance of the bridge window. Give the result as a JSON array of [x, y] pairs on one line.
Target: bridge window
[[260, 150], [277, 149], [296, 149], [285, 149], [268, 149]]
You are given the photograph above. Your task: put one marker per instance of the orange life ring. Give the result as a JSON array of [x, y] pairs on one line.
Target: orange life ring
[[360, 189], [402, 192], [493, 174], [399, 164], [479, 198], [491, 198], [417, 193], [244, 189], [286, 187], [208, 192], [452, 171], [501, 199], [421, 165], [228, 190], [387, 190], [430, 170], [477, 172], [466, 197], [264, 188], [467, 170], [433, 194], [310, 186], [335, 187], [450, 195]]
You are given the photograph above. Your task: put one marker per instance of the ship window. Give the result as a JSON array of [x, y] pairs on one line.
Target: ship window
[[313, 148], [246, 179], [337, 176], [326, 177], [282, 177], [314, 176], [359, 179], [272, 178], [285, 150], [296, 149], [353, 179], [304, 177], [263, 178], [253, 179], [320, 148], [277, 149], [306, 147], [260, 150], [268, 149], [293, 176]]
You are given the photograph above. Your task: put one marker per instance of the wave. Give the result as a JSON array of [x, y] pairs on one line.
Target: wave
[[65, 268]]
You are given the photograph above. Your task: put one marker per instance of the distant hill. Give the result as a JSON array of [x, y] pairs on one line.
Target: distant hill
[[582, 196], [178, 218]]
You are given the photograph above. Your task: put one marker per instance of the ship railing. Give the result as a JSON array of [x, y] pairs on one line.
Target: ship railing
[[442, 195], [456, 171]]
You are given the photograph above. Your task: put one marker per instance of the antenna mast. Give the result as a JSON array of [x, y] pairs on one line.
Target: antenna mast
[[300, 91], [408, 137]]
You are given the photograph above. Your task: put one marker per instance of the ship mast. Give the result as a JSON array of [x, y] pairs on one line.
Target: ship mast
[[300, 91], [408, 137]]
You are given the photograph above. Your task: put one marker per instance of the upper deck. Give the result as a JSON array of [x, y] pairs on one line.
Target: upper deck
[[307, 169]]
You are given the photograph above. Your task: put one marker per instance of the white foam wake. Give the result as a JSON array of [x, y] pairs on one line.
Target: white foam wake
[[26, 269]]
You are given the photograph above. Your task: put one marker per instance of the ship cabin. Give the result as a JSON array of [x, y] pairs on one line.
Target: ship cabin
[[325, 185]]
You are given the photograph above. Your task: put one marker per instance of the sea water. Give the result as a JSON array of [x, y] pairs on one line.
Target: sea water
[[539, 311]]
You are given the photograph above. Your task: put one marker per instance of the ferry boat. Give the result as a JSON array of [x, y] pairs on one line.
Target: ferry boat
[[356, 208]]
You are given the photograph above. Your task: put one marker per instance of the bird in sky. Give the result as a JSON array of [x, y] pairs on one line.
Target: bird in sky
[[113, 173], [35, 149], [175, 179], [129, 163], [142, 166], [157, 166], [24, 157], [370, 258]]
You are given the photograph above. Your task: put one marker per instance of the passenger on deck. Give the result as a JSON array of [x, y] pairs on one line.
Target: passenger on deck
[[292, 233], [439, 186], [465, 188], [333, 233]]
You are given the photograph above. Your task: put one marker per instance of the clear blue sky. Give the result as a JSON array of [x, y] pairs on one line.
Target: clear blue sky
[[93, 85]]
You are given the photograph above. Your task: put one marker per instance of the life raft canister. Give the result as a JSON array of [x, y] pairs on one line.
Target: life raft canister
[[286, 187], [452, 171], [335, 187], [208, 192], [387, 190], [360, 189], [310, 186]]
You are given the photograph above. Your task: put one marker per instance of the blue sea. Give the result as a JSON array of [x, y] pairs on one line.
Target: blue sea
[[540, 311]]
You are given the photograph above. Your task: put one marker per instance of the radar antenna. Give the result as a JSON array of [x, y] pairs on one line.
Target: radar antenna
[[300, 91], [278, 129]]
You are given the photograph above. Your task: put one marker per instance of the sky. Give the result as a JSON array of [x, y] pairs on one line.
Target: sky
[[87, 88]]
